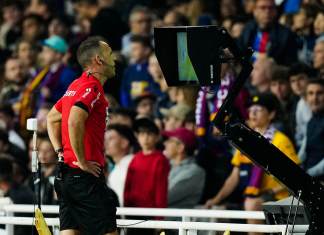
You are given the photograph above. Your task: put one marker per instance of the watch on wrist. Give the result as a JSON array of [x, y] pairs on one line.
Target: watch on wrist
[[59, 150]]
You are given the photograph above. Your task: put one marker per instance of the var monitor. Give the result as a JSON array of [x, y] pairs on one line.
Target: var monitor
[[190, 55]]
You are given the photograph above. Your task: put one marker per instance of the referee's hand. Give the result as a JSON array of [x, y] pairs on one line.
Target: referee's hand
[[90, 167]]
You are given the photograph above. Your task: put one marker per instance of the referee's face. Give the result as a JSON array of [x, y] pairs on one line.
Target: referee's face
[[108, 60]]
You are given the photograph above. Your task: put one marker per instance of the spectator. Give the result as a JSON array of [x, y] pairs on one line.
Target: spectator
[[151, 165], [286, 20], [18, 193], [228, 8], [123, 116], [33, 28], [238, 25], [10, 30], [105, 22], [45, 8], [313, 150], [299, 74], [120, 143], [163, 100], [181, 6], [20, 156], [261, 74], [186, 178], [150, 194], [199, 14], [190, 121], [187, 95], [319, 56], [41, 116], [51, 81], [7, 118], [14, 81], [140, 23], [267, 36], [249, 6], [59, 26], [257, 186], [156, 73], [227, 23], [280, 87], [48, 159], [303, 26], [26, 53], [175, 18], [175, 116], [318, 23], [144, 105], [137, 80]]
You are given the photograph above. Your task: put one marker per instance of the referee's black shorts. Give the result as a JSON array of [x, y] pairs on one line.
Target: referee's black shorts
[[86, 203]]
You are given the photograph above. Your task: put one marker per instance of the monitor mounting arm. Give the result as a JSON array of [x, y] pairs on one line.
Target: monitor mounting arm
[[263, 153]]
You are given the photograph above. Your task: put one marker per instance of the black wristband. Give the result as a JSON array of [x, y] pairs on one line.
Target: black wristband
[[59, 150]]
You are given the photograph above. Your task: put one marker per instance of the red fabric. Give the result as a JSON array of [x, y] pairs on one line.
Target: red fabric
[[147, 181], [89, 91], [264, 42]]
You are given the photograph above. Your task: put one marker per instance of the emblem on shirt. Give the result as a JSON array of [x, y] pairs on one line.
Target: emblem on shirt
[[87, 92]]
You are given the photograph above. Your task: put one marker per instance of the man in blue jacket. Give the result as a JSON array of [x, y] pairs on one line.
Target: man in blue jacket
[[267, 37]]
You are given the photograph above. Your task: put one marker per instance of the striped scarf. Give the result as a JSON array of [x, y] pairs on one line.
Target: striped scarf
[[26, 103], [253, 188], [209, 102]]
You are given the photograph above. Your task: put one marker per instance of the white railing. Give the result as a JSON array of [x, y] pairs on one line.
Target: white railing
[[131, 211], [185, 226]]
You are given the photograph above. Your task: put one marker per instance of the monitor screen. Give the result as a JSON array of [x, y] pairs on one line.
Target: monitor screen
[[189, 55], [185, 69]]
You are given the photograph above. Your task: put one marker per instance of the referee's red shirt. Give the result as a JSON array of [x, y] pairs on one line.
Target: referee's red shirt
[[87, 93]]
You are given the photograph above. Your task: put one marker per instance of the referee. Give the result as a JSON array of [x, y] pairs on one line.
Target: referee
[[76, 126]]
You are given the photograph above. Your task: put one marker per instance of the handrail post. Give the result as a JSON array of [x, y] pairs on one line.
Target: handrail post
[[181, 230], [9, 227], [192, 232]]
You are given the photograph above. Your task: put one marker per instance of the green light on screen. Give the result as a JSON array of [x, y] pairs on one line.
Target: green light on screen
[[185, 68]]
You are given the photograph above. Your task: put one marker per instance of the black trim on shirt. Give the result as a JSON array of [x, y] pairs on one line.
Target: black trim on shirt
[[82, 106]]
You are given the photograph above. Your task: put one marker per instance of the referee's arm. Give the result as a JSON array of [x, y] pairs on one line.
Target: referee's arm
[[76, 126], [54, 119]]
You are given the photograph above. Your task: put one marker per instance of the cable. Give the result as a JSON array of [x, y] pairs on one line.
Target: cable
[[290, 208], [127, 225], [298, 200]]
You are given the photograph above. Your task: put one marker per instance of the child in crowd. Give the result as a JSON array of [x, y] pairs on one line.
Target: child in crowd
[[148, 167], [147, 177]]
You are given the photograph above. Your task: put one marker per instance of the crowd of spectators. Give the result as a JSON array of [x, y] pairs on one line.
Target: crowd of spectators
[[161, 148]]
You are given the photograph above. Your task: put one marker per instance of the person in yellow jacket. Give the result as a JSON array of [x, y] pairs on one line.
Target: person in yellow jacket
[[256, 185]]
